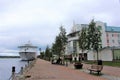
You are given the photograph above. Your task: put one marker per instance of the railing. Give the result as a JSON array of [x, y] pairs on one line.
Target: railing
[[23, 70]]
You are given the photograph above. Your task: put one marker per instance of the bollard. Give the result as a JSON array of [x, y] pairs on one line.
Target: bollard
[[13, 69], [21, 71], [25, 66], [13, 72]]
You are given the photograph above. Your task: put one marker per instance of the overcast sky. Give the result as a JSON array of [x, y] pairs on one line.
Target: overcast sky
[[39, 20]]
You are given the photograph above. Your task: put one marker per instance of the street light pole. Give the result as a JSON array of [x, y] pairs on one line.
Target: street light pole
[[40, 51], [97, 55], [96, 45]]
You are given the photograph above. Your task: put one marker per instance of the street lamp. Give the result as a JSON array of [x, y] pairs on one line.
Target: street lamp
[[113, 52], [96, 45], [40, 50]]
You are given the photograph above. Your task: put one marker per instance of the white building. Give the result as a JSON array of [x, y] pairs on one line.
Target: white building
[[110, 43]]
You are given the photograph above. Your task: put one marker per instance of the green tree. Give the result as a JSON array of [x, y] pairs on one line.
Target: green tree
[[83, 39], [42, 55], [63, 37], [53, 49], [48, 53], [58, 46], [93, 37]]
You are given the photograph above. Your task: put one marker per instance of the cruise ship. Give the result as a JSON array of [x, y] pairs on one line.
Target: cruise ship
[[28, 51]]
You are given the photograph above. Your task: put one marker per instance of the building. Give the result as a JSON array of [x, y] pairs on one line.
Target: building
[[110, 42]]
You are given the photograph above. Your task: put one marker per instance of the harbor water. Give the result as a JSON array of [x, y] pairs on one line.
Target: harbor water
[[6, 66]]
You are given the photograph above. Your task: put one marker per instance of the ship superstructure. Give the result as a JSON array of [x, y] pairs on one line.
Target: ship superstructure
[[28, 51]]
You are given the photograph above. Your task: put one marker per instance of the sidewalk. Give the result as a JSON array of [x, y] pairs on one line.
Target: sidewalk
[[111, 73], [44, 70]]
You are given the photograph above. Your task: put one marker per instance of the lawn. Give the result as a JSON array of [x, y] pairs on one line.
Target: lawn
[[108, 63], [112, 63]]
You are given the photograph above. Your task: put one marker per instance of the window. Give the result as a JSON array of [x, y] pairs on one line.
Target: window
[[112, 35], [107, 41], [119, 42], [118, 35], [113, 41], [107, 34], [74, 46]]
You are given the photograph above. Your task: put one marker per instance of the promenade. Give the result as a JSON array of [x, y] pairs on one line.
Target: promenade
[[44, 70]]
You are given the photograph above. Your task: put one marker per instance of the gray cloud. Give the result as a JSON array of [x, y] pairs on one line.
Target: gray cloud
[[39, 20]]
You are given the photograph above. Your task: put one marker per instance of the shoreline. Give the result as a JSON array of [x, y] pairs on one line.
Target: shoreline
[[9, 56]]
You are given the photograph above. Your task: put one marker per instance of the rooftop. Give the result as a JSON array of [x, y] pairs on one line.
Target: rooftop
[[112, 29]]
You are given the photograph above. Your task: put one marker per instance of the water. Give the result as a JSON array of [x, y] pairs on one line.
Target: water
[[6, 66]]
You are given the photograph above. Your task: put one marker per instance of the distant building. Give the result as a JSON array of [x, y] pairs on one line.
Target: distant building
[[110, 40]]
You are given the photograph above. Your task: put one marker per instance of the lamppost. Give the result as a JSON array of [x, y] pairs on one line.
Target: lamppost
[[40, 50], [113, 53], [96, 45], [51, 54], [97, 52]]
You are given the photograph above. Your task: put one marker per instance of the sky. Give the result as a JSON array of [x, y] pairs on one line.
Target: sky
[[38, 21]]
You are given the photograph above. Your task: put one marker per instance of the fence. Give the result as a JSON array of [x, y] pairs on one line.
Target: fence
[[21, 74]]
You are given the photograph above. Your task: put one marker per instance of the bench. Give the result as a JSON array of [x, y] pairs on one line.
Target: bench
[[95, 68]]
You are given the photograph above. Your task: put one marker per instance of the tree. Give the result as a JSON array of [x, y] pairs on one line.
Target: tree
[[48, 53], [93, 37], [63, 37], [58, 46], [42, 55], [83, 39]]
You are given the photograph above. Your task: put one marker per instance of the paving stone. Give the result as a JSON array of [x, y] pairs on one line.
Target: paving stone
[[44, 70]]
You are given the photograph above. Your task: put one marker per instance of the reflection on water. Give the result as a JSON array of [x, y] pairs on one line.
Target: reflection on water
[[6, 66]]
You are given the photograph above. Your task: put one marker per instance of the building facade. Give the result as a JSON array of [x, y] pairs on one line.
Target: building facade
[[110, 38]]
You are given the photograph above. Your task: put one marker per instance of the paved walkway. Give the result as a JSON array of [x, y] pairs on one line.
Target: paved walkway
[[111, 73], [44, 70]]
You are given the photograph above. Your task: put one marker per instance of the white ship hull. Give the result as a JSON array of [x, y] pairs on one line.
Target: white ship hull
[[28, 51], [27, 55]]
